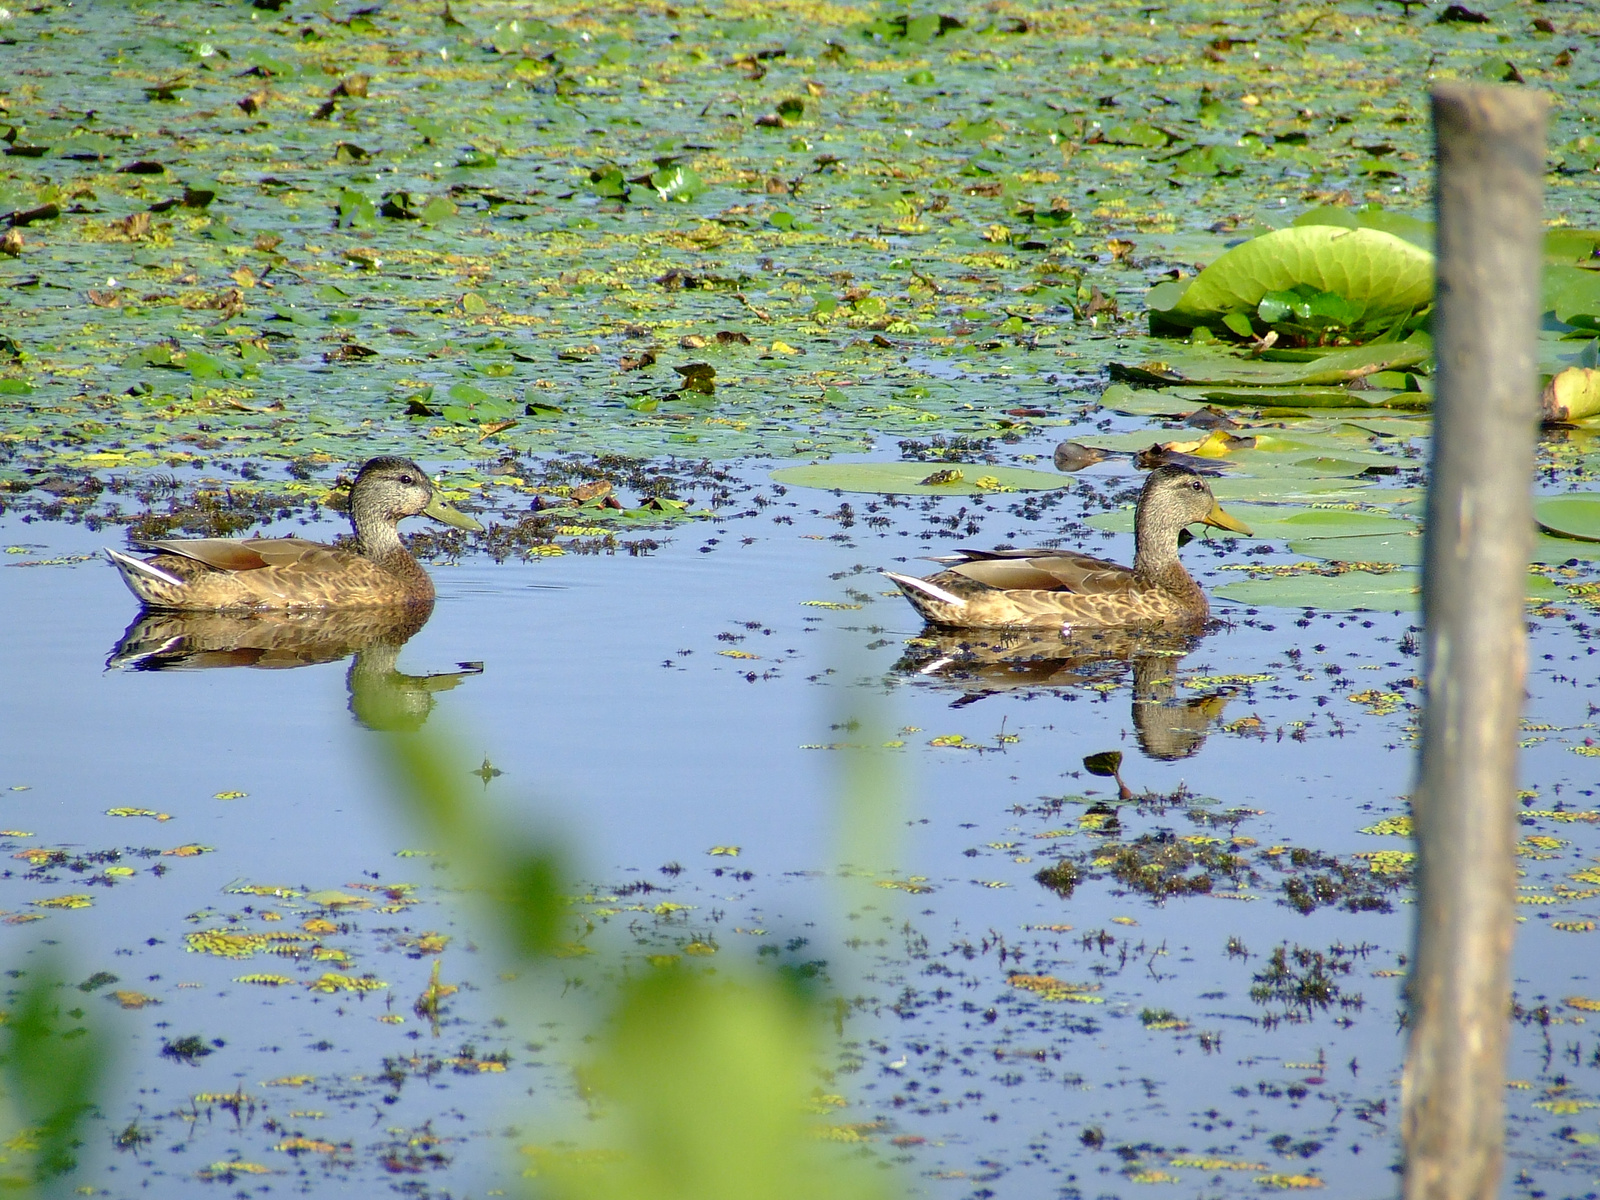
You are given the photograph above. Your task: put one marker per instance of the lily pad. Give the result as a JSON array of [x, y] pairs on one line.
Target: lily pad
[[1275, 522], [1199, 368], [1402, 549], [902, 478], [1571, 516], [1288, 488], [1382, 278], [1321, 523], [1571, 293], [1395, 591], [1179, 401], [1557, 550], [1392, 591]]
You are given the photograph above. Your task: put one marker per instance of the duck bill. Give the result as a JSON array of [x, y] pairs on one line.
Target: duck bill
[[440, 511], [1218, 519]]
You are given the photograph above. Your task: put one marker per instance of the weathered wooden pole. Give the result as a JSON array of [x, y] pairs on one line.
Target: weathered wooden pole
[[1490, 155]]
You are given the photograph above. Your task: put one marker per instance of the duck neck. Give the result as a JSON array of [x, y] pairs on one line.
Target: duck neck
[[1155, 559], [378, 539]]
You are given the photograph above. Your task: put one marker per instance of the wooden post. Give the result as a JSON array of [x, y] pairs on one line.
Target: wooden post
[[1490, 154]]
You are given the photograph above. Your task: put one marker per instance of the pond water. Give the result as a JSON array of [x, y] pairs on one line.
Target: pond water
[[251, 245], [1150, 1036]]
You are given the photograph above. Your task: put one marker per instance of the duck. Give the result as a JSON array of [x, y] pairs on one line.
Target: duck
[[277, 574], [1068, 590]]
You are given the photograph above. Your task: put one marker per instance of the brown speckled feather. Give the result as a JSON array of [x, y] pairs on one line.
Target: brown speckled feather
[[305, 575], [242, 554], [1107, 595]]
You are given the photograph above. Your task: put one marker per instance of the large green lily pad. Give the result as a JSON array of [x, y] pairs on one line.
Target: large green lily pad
[[1402, 549], [1556, 550], [1391, 591], [1405, 549], [1196, 367], [908, 478], [1571, 516], [1274, 521], [1394, 591], [1381, 277]]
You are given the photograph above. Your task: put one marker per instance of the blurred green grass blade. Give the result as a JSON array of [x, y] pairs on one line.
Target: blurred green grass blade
[[53, 1062]]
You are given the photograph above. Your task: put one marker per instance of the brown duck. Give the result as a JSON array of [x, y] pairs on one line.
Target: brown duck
[[1063, 589], [218, 574]]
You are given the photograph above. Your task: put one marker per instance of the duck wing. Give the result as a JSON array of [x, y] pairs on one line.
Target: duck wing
[[1048, 571], [244, 554]]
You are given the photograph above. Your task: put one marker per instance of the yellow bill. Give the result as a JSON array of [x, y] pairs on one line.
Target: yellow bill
[[440, 511], [1221, 520]]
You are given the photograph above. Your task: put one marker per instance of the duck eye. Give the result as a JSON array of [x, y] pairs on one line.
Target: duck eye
[[1197, 485]]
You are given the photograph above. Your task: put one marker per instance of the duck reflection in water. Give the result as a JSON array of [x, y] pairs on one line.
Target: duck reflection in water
[[983, 662], [381, 696]]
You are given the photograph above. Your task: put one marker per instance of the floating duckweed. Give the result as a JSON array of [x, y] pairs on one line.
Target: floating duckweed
[[299, 1145], [332, 981], [1390, 827], [1388, 862], [75, 900], [1161, 1019], [1287, 1182], [851, 1134], [268, 980], [226, 944], [1379, 703], [917, 885], [1048, 987], [1217, 1164], [1565, 1108]]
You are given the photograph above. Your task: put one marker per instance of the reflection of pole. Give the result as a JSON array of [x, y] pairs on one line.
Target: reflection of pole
[[1490, 146]]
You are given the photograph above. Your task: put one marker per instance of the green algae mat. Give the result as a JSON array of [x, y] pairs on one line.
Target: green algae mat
[[309, 232]]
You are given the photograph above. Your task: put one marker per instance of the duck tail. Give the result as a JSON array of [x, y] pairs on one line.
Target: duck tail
[[928, 598], [140, 576]]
